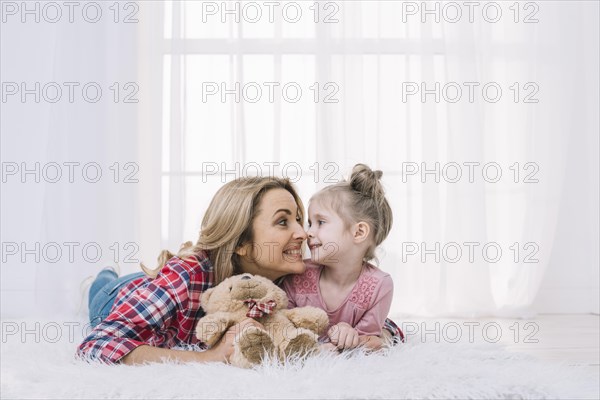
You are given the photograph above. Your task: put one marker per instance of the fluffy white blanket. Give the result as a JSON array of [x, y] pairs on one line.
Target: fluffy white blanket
[[41, 365]]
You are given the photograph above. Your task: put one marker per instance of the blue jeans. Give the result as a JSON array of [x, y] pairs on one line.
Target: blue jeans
[[103, 293]]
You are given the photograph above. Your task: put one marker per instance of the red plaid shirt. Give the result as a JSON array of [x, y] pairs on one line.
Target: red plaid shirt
[[161, 312]]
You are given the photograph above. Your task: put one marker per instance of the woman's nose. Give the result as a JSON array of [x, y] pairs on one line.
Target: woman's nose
[[300, 233]]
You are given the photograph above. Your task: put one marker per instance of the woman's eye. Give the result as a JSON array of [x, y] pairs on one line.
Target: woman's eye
[[321, 222], [283, 222]]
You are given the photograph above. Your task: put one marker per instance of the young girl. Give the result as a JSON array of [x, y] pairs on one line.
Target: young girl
[[347, 221]]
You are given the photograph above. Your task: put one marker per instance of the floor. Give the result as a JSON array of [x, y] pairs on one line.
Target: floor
[[33, 365], [571, 338]]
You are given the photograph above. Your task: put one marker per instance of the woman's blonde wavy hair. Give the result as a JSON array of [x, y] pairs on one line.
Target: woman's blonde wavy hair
[[227, 224]]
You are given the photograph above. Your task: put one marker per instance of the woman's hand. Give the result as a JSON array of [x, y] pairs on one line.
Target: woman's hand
[[328, 347], [343, 336], [372, 343], [223, 350]]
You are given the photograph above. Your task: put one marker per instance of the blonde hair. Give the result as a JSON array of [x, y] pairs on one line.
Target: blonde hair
[[361, 198], [227, 224]]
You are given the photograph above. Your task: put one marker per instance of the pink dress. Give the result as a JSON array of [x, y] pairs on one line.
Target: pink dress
[[365, 308]]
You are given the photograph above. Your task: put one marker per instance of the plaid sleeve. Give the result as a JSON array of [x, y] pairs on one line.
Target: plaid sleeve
[[397, 334], [142, 319]]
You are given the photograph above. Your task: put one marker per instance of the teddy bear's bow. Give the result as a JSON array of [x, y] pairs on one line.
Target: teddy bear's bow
[[257, 309]]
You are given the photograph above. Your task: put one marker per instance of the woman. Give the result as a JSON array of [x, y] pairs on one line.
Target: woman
[[252, 225]]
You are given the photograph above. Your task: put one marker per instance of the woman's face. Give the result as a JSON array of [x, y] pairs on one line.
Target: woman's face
[[276, 249]]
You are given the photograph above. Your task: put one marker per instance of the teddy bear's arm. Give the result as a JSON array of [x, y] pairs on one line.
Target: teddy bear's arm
[[311, 318], [211, 328]]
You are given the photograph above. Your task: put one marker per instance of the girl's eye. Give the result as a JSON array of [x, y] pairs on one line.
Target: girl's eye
[[321, 222]]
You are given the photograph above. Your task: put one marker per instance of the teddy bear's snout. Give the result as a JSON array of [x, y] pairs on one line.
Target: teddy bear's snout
[[248, 289], [245, 277]]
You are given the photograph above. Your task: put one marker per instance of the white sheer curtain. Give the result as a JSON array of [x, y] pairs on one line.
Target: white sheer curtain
[[72, 214], [544, 62], [364, 56], [370, 57]]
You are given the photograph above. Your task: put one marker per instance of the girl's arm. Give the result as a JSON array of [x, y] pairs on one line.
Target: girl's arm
[[369, 329], [374, 327]]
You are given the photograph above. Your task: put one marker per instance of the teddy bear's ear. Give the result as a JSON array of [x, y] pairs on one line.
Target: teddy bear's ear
[[205, 298]]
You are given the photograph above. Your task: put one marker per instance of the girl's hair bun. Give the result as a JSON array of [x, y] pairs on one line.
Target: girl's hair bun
[[366, 181]]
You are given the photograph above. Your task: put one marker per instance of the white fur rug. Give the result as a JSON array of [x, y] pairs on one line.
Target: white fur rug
[[41, 365]]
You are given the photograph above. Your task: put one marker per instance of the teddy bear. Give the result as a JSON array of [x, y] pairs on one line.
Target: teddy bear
[[288, 332]]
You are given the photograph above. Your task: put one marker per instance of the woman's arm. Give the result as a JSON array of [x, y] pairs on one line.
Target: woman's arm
[[392, 333], [144, 354], [144, 317], [218, 353]]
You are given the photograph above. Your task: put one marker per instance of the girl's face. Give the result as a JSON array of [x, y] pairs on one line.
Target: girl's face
[[276, 249], [328, 237]]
